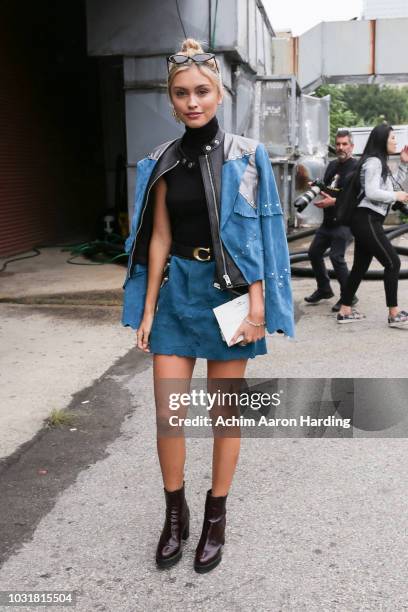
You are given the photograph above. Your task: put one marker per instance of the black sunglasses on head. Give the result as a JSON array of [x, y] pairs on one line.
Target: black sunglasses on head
[[198, 58]]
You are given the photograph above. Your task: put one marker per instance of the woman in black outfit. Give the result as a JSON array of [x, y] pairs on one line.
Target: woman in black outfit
[[380, 190], [195, 179]]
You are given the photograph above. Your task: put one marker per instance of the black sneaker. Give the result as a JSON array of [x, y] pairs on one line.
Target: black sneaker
[[337, 305], [319, 294]]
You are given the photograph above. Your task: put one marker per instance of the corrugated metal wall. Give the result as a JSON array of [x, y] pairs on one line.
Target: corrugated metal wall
[[25, 213], [52, 183]]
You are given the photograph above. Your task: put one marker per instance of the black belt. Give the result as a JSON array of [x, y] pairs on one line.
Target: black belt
[[200, 253]]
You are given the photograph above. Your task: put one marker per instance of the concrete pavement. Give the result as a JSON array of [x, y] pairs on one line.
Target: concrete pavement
[[58, 332], [313, 524]]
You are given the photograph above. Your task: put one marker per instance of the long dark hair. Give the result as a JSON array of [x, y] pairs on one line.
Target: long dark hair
[[377, 147]]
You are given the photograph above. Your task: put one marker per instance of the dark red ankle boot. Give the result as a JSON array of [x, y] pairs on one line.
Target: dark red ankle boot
[[209, 549], [176, 529]]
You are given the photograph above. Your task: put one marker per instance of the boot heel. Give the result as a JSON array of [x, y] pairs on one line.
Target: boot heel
[[186, 532]]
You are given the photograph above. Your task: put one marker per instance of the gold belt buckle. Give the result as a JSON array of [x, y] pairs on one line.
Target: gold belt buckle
[[197, 255]]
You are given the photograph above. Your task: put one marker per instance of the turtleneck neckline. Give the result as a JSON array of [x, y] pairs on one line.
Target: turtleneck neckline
[[195, 138]]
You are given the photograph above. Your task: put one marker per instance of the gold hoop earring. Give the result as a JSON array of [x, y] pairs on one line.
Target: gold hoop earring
[[175, 116]]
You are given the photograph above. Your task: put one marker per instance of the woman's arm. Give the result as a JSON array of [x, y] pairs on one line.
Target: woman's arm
[[372, 169], [256, 303], [402, 173], [403, 166], [256, 315], [159, 249]]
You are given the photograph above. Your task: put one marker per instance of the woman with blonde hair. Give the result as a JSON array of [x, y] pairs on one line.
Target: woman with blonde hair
[[208, 203]]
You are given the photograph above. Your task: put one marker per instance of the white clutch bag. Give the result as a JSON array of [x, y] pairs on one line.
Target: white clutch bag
[[230, 316]]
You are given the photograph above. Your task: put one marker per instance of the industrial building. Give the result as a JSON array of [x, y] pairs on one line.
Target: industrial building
[[84, 98], [384, 9]]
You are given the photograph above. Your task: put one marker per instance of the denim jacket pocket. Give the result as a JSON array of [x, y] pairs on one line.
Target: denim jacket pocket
[[245, 231], [270, 209], [243, 207]]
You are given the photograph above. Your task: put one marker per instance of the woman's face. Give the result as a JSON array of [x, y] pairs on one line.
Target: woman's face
[[392, 143], [195, 97]]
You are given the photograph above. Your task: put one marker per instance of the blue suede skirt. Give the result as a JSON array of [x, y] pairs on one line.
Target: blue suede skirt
[[184, 323]]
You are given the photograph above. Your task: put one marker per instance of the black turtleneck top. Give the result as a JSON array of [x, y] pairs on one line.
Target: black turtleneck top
[[185, 198]]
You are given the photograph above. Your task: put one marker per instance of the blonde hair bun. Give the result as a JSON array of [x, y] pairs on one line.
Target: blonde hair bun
[[191, 46]]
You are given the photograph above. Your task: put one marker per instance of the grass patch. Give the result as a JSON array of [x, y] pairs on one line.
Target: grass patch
[[60, 418]]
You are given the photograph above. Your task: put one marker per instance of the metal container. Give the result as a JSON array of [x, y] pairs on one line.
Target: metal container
[[295, 130], [275, 115]]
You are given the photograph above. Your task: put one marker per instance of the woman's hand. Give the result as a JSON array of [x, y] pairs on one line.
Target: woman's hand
[[250, 332], [256, 315], [404, 155], [401, 196], [143, 333]]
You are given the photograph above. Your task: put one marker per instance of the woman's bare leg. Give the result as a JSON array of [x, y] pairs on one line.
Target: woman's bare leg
[[225, 449], [171, 448]]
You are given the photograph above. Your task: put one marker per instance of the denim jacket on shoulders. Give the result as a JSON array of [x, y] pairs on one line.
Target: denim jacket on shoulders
[[251, 225]]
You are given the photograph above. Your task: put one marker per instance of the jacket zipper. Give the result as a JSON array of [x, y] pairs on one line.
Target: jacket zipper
[[143, 212], [225, 275]]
